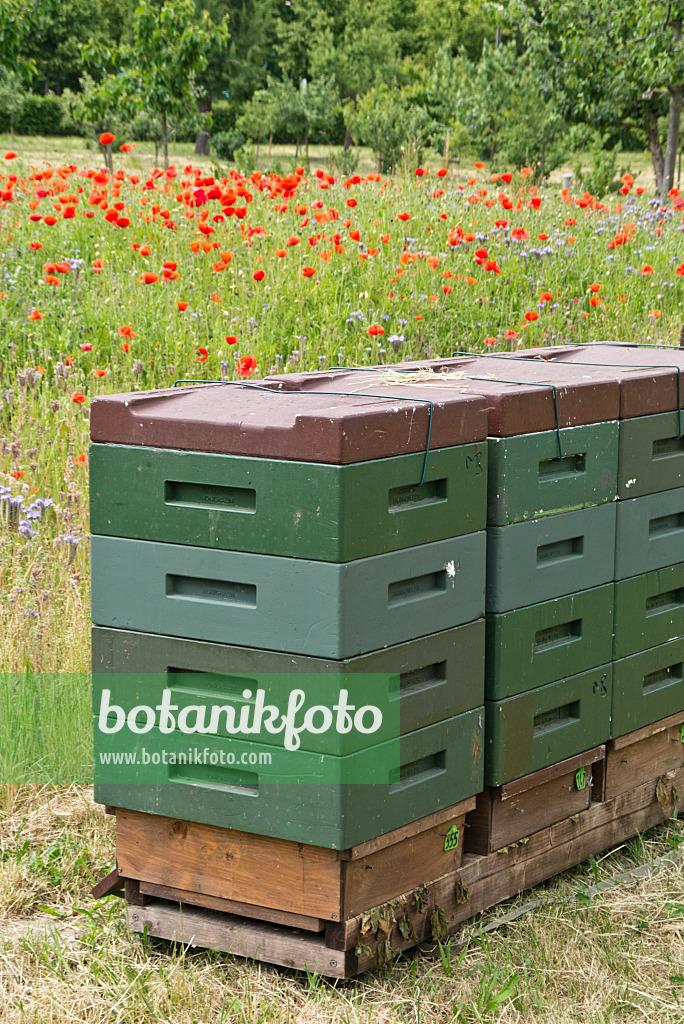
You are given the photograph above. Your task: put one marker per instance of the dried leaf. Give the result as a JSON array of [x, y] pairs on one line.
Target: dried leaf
[[406, 928], [362, 950], [385, 953], [461, 892], [438, 923], [665, 796]]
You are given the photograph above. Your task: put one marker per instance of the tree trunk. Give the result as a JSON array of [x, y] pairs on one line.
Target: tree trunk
[[655, 148], [306, 142], [12, 126], [674, 118], [348, 139], [165, 139], [542, 162], [202, 140], [378, 163], [270, 145]]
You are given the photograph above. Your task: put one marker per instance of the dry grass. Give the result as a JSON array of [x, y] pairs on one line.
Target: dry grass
[[613, 956]]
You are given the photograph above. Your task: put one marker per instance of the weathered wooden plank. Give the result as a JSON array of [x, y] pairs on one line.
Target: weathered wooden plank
[[415, 860], [647, 730], [111, 883], [406, 831], [238, 935], [198, 899], [275, 873], [657, 754], [553, 771]]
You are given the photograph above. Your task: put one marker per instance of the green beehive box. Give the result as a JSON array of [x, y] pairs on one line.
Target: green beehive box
[[650, 533], [546, 725], [299, 509], [528, 478], [528, 563], [651, 455], [536, 645], [438, 766], [649, 610], [321, 609], [647, 687], [436, 677]]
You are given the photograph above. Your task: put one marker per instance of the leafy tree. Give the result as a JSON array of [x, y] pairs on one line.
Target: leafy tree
[[12, 95], [613, 62], [386, 120], [156, 71], [16, 23]]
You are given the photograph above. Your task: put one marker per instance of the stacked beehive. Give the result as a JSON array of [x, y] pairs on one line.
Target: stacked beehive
[[331, 527], [245, 539], [648, 647]]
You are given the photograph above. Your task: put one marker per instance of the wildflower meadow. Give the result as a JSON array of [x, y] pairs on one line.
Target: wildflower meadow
[[121, 280]]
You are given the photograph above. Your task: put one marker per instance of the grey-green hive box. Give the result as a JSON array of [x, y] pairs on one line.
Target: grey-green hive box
[[528, 563], [544, 642], [437, 676], [529, 478], [439, 766], [649, 610], [546, 725], [321, 609], [650, 533], [296, 509], [651, 455], [647, 687]]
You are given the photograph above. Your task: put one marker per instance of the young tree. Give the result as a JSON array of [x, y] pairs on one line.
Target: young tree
[[156, 71]]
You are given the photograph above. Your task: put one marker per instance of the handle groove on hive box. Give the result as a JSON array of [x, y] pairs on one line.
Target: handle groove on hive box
[[210, 496], [558, 636], [416, 588], [194, 588], [669, 676], [557, 469]]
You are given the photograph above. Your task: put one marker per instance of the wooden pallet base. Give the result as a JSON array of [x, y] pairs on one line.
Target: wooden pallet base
[[344, 949]]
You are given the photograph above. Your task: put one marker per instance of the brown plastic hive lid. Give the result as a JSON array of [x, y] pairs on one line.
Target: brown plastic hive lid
[[647, 376], [265, 422], [519, 397]]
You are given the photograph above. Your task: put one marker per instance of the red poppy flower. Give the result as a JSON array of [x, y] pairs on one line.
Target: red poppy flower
[[125, 347], [374, 330], [127, 331], [246, 366], [11, 155], [202, 355], [545, 297], [106, 138], [595, 288], [87, 347], [442, 172], [259, 275], [647, 269], [100, 373], [78, 397], [182, 306], [308, 271], [231, 339], [490, 341], [35, 315], [531, 316]]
